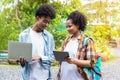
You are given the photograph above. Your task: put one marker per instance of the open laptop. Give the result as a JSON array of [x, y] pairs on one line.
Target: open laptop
[[60, 55], [19, 49]]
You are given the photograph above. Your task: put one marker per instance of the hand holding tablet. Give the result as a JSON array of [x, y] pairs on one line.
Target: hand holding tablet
[[60, 55]]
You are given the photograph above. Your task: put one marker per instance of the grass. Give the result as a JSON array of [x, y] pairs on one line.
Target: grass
[[8, 65]]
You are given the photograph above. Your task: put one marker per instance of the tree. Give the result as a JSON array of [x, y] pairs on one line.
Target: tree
[[16, 18]]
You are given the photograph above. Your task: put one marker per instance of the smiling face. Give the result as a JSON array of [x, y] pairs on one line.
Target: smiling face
[[42, 23], [71, 28]]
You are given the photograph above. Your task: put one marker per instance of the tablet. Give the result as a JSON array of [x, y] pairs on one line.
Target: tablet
[[60, 55], [19, 49]]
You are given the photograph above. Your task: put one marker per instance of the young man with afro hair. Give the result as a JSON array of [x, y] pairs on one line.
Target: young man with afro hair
[[42, 46]]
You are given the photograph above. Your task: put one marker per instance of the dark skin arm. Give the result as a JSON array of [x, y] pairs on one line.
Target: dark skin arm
[[82, 63], [23, 60]]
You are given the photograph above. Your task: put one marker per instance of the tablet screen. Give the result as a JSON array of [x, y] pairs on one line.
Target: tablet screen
[[60, 55]]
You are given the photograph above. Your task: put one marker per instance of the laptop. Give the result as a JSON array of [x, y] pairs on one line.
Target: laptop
[[60, 55], [19, 49]]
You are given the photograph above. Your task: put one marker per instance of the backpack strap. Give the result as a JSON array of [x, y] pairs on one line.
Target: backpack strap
[[80, 55], [83, 42], [99, 73], [80, 45]]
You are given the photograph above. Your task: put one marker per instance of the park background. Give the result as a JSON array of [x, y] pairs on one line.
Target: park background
[[103, 21], [103, 26]]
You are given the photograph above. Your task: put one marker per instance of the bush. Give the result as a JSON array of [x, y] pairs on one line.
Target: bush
[[101, 36]]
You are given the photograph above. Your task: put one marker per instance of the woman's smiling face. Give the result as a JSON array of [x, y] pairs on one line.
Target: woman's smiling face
[[71, 28]]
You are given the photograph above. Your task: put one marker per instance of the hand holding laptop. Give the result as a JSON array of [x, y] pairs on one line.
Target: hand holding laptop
[[23, 60], [20, 50]]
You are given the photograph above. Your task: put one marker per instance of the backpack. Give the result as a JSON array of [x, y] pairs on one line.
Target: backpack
[[95, 72]]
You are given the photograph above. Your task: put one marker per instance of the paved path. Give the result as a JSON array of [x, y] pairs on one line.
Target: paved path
[[115, 51], [111, 70]]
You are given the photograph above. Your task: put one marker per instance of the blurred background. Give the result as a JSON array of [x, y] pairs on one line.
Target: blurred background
[[103, 26], [103, 21]]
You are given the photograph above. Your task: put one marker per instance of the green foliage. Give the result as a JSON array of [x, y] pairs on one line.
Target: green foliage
[[59, 37], [5, 2], [115, 32], [14, 20], [101, 36], [8, 26], [57, 24], [19, 16], [22, 14]]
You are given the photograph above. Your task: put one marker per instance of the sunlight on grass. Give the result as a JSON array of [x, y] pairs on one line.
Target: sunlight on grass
[[9, 65]]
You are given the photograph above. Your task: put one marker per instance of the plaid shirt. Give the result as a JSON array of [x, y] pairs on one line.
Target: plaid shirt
[[84, 52]]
